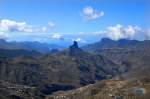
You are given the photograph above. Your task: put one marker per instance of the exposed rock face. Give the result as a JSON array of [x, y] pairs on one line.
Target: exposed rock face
[[75, 45], [74, 50]]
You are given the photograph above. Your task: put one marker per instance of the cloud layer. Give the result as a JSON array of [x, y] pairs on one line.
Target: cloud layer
[[91, 14], [114, 32], [7, 25], [51, 24], [13, 26], [120, 32], [57, 36], [3, 35]]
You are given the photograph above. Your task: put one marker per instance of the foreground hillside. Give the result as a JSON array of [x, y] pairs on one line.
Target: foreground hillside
[[107, 89], [14, 91]]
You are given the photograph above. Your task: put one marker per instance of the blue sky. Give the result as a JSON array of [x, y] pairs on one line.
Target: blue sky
[[62, 21]]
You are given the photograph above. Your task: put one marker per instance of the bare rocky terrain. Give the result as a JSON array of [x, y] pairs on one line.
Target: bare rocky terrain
[[104, 70]]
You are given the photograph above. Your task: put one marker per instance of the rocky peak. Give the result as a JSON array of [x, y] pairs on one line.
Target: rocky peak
[[74, 49], [75, 45]]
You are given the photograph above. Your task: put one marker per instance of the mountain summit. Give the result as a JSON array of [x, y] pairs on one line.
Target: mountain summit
[[74, 49], [75, 45]]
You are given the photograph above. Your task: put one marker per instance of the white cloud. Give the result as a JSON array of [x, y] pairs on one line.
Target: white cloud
[[44, 29], [48, 27], [90, 14], [7, 25], [13, 26], [51, 25], [119, 32], [99, 33], [3, 35], [57, 36]]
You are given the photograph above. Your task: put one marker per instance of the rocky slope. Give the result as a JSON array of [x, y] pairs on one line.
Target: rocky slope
[[64, 70], [13, 91], [7, 53], [131, 55], [107, 89], [48, 76]]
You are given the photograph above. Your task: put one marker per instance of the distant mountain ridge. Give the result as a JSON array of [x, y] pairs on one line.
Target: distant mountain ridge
[[122, 43], [36, 46], [128, 47]]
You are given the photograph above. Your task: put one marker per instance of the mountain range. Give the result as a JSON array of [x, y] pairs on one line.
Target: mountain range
[[133, 82], [64, 70], [131, 55], [97, 67], [31, 46]]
